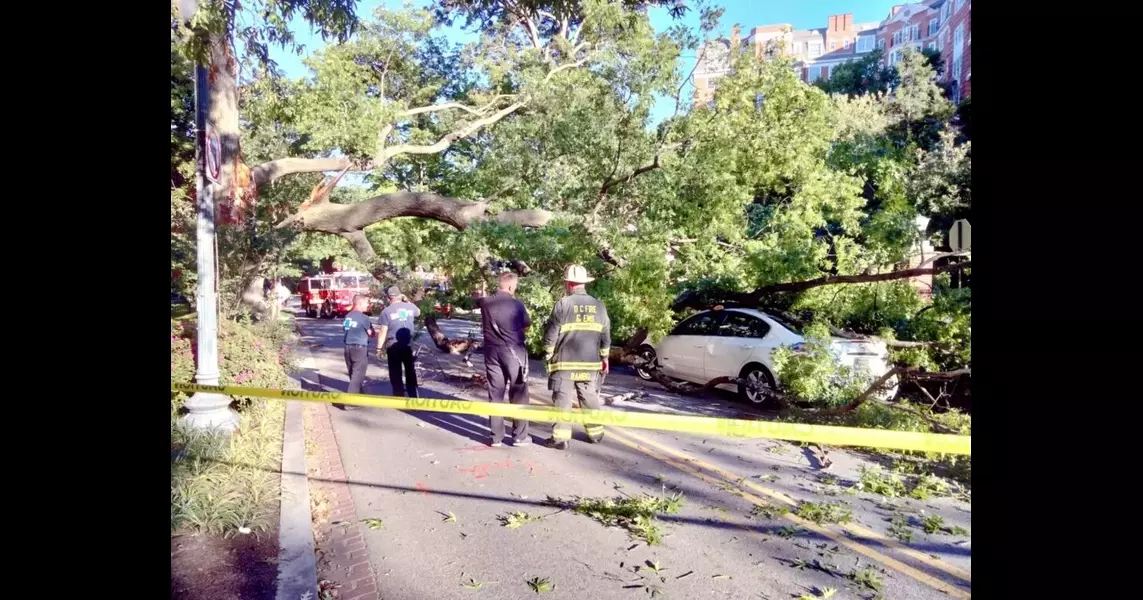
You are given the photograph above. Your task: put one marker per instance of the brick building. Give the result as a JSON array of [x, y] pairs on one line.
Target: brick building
[[944, 25]]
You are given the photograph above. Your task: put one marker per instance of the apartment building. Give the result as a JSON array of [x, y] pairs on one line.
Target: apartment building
[[944, 25]]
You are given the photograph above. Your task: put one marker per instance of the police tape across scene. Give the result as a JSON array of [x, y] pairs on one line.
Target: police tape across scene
[[941, 443]]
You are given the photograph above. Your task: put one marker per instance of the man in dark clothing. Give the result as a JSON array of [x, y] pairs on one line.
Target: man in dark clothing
[[505, 359], [358, 330], [397, 326]]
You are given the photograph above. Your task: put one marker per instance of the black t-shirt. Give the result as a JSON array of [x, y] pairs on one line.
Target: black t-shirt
[[504, 319]]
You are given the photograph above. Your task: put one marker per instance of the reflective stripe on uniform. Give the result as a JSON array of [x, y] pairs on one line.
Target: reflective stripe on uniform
[[561, 433], [594, 430], [604, 352], [596, 327], [574, 366]]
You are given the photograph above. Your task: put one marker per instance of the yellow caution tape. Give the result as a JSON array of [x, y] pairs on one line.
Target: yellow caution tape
[[821, 434]]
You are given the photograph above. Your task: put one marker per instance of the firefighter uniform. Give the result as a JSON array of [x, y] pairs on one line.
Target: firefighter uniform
[[577, 338]]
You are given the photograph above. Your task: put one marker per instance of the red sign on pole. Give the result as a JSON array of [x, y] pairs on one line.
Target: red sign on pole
[[213, 155]]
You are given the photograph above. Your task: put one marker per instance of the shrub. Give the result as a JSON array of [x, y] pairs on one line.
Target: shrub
[[249, 354]]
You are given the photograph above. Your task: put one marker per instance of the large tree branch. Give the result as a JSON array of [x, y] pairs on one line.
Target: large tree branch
[[443, 144], [347, 218], [706, 300], [269, 171]]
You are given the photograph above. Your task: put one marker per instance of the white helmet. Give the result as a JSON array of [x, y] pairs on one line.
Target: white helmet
[[577, 274]]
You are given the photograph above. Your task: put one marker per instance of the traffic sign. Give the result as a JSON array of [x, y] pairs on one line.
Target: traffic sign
[[213, 155], [960, 236]]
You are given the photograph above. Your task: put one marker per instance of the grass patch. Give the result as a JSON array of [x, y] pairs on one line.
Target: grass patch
[[221, 483], [636, 514], [825, 512]]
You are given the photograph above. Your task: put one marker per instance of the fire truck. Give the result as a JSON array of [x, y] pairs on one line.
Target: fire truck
[[329, 295]]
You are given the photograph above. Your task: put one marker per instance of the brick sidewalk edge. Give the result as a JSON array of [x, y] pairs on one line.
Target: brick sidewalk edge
[[342, 556]]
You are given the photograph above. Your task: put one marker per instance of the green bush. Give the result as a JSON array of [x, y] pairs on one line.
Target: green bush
[[249, 354], [221, 483]]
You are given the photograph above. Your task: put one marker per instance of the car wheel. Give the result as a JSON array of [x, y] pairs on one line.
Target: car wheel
[[755, 384], [646, 353]]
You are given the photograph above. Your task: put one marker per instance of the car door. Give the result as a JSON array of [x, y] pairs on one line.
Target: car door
[[680, 354], [738, 339]]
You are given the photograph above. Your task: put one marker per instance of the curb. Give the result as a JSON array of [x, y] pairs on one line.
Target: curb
[[297, 568]]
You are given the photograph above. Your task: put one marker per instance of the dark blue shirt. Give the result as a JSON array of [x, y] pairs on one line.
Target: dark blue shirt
[[357, 328], [504, 319], [397, 317]]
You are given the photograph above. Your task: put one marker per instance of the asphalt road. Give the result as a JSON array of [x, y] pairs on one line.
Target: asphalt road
[[411, 469]]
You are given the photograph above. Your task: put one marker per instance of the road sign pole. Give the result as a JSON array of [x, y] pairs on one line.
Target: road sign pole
[[207, 411]]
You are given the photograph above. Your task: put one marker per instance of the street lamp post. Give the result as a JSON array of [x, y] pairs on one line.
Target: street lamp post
[[207, 410]]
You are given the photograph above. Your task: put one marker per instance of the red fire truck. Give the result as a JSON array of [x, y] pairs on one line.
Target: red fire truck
[[329, 295]]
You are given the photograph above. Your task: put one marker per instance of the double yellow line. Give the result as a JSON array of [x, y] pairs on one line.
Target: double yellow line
[[720, 477]]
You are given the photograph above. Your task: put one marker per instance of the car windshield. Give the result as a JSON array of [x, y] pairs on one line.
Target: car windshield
[[786, 323], [319, 284], [347, 281]]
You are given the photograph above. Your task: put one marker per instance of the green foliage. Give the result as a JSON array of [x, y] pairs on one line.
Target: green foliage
[[252, 355], [635, 514], [858, 77], [825, 512], [813, 375]]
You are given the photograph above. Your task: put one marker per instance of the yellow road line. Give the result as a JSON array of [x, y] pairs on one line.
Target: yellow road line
[[854, 528], [733, 479], [866, 551]]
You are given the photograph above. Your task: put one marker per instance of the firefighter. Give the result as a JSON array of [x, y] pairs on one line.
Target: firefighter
[[577, 341]]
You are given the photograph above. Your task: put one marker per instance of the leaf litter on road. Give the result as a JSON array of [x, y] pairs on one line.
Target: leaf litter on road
[[541, 584], [373, 523], [473, 584]]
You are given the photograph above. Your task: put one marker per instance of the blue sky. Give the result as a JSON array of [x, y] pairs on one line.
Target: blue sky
[[802, 14]]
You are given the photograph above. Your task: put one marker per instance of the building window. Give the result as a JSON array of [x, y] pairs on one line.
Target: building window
[[815, 49], [958, 36], [845, 44], [947, 10], [934, 25], [815, 74], [881, 44], [864, 43], [896, 39], [833, 45], [956, 68], [932, 45], [796, 48], [916, 32]]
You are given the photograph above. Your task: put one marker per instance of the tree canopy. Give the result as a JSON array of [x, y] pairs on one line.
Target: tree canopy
[[534, 147]]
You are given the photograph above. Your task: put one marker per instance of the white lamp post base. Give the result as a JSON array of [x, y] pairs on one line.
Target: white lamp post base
[[210, 411]]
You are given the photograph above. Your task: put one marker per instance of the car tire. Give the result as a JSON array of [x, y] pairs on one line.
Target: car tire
[[753, 375], [647, 353]]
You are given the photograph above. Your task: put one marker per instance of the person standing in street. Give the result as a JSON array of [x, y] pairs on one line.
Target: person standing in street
[[397, 326], [577, 342], [504, 320], [358, 330]]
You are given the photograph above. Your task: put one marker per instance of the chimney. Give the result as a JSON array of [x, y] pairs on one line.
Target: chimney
[[734, 31], [847, 22], [895, 9], [832, 23]]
